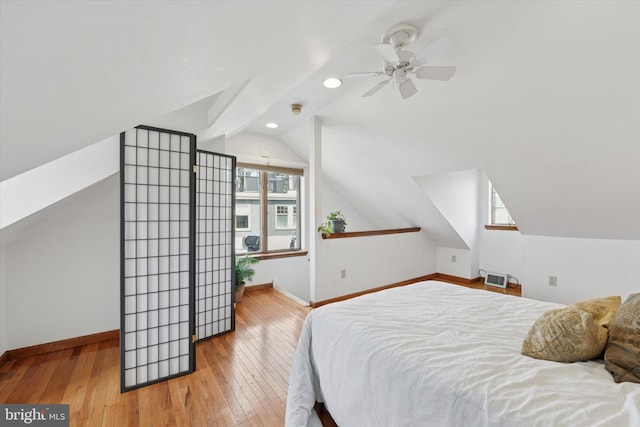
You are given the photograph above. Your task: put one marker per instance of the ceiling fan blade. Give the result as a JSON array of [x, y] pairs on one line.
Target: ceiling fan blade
[[436, 72], [365, 74], [376, 88], [436, 48], [387, 52], [407, 89]]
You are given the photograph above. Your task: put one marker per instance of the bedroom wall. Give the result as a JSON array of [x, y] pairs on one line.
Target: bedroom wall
[[288, 274], [333, 200], [255, 148], [370, 262], [57, 179], [63, 272], [585, 268], [3, 305], [501, 252], [455, 262], [456, 195]]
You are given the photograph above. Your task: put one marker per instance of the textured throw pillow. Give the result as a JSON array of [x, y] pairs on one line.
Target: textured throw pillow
[[565, 335], [622, 354], [602, 309]]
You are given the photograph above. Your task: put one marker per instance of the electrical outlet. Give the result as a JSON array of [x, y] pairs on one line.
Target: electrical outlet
[[553, 280], [343, 273], [454, 258]]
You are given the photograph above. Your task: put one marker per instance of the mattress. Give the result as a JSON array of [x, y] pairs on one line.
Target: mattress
[[436, 354]]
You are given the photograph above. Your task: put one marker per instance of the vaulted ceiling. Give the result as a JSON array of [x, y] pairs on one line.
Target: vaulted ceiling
[[546, 98]]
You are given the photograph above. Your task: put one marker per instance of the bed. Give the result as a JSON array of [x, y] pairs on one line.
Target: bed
[[436, 354]]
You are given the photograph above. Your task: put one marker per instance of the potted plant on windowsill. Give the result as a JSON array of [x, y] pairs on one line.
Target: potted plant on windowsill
[[335, 224], [244, 272]]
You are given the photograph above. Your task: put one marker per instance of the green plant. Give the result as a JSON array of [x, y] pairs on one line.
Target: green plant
[[244, 269], [326, 228]]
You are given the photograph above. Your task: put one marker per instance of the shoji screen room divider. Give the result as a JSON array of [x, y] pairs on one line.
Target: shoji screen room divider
[[161, 252], [215, 267]]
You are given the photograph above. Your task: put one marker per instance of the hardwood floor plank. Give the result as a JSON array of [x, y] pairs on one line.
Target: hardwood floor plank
[[241, 377]]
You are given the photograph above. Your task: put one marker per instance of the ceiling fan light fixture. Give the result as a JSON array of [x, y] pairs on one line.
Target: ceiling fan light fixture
[[332, 82], [399, 77], [271, 125]]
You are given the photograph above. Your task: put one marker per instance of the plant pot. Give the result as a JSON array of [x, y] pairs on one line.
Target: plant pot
[[336, 226], [239, 291]]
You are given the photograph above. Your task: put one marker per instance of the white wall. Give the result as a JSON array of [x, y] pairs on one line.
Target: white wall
[[289, 274], [24, 194], [461, 267], [585, 268], [370, 262], [62, 276], [260, 149], [455, 195], [333, 200], [3, 305], [501, 252]]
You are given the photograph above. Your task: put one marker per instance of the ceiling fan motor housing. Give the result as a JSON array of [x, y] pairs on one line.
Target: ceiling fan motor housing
[[399, 39], [400, 35]]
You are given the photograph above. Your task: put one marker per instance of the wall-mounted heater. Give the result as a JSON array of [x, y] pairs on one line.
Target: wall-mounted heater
[[496, 279]]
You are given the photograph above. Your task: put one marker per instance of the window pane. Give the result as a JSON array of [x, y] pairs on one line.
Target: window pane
[[248, 215], [242, 222], [499, 213], [282, 217], [282, 194]]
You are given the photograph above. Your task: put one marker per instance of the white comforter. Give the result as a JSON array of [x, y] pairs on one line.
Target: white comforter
[[435, 354]]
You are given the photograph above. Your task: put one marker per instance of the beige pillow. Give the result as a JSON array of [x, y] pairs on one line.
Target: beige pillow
[[622, 354], [565, 335], [602, 309]]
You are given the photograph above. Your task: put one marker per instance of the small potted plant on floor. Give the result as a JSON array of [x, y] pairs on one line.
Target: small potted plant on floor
[[335, 224], [244, 272]]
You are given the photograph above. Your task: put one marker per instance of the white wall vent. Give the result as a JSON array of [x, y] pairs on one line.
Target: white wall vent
[[496, 279]]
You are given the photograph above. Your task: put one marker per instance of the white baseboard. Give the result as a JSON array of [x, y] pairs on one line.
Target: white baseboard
[[292, 297]]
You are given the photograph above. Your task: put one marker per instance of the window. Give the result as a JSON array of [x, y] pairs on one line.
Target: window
[[267, 206], [243, 218], [499, 213], [286, 217]]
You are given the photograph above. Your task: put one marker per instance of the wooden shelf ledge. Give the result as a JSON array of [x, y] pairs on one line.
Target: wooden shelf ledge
[[372, 233], [501, 227]]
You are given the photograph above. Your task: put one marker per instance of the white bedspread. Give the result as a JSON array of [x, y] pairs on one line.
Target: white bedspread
[[435, 354]]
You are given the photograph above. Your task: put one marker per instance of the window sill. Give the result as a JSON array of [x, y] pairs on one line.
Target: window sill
[[277, 255], [371, 233], [501, 227]]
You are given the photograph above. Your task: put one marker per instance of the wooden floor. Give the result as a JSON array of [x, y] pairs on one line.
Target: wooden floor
[[241, 378]]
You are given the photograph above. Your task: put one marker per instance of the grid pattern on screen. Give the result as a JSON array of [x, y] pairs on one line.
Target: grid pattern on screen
[[157, 267], [214, 244]]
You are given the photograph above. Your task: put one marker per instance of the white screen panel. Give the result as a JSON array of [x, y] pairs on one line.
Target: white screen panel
[[215, 267], [157, 290]]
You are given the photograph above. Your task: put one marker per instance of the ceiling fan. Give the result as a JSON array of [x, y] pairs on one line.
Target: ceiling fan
[[399, 63]]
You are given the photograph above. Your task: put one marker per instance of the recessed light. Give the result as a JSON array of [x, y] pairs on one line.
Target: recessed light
[[271, 125], [332, 83]]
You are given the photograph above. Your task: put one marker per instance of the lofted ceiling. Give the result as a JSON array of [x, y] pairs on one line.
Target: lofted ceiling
[[546, 98]]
